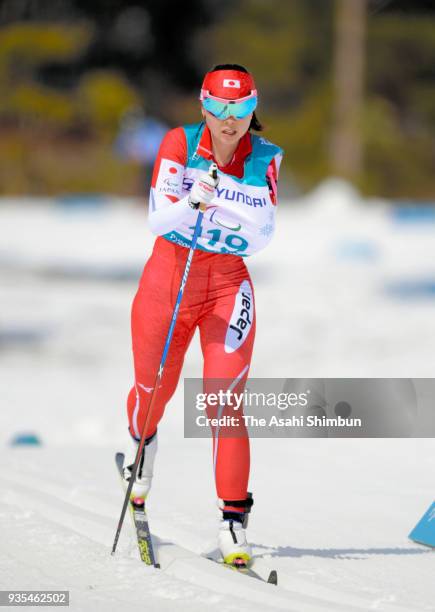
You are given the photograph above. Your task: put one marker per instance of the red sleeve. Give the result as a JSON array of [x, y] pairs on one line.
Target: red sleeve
[[174, 148]]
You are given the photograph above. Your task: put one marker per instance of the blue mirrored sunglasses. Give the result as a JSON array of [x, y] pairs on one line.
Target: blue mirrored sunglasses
[[229, 108]]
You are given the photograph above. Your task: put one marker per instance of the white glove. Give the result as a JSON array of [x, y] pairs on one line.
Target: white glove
[[202, 191]]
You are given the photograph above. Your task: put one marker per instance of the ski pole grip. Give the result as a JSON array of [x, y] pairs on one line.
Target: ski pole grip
[[213, 171]]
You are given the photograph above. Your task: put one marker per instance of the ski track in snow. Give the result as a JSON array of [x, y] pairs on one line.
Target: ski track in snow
[[332, 516], [76, 532]]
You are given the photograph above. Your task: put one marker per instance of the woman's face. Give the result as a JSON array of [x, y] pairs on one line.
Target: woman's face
[[226, 131]]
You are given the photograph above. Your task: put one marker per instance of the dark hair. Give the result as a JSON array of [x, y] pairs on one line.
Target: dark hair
[[255, 124]]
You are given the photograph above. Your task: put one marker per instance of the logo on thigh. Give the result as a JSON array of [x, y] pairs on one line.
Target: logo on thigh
[[241, 319]]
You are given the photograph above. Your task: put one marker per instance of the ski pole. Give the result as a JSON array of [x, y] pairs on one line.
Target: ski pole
[[213, 173]]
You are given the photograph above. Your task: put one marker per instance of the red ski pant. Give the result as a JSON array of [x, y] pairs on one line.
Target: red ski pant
[[219, 300]]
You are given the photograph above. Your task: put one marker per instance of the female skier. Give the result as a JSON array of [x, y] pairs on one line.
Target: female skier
[[239, 215]]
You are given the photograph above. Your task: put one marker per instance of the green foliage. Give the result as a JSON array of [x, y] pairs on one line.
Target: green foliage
[[278, 41], [38, 156], [399, 118], [401, 46], [396, 163], [34, 103], [304, 136], [24, 46], [39, 163], [289, 48], [103, 97]]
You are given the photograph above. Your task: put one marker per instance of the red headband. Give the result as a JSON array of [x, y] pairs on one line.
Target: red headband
[[228, 84]]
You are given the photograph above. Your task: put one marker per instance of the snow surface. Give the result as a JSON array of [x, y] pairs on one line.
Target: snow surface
[[331, 515]]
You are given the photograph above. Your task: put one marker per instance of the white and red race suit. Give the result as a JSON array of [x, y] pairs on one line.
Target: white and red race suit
[[218, 298]]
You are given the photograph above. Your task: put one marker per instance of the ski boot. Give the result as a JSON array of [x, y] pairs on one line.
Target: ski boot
[[144, 475], [232, 537]]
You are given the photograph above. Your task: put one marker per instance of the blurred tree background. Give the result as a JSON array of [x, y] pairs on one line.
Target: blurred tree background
[[347, 87]]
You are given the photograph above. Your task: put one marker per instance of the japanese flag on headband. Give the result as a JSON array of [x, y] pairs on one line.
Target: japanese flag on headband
[[229, 84]]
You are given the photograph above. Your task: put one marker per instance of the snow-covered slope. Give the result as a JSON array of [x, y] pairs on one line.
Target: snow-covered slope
[[332, 516], [332, 520]]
